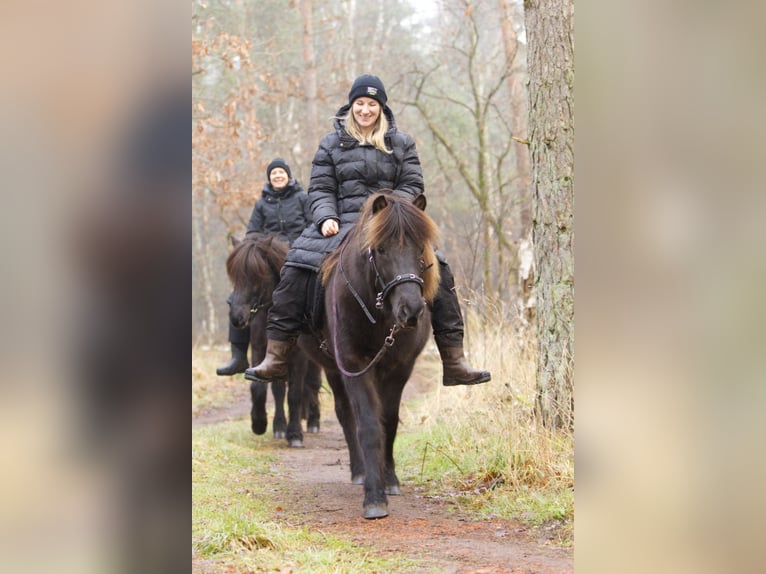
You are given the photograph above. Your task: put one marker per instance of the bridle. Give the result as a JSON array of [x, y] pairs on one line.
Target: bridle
[[385, 289], [259, 306], [397, 280]]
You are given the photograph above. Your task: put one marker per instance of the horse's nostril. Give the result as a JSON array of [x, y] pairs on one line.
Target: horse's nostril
[[408, 316]]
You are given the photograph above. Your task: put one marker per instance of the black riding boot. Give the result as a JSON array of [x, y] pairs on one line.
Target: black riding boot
[[240, 341], [447, 323], [238, 362]]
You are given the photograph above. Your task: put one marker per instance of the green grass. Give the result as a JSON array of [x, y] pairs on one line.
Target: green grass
[[482, 473], [233, 509], [208, 389], [484, 447], [481, 447]]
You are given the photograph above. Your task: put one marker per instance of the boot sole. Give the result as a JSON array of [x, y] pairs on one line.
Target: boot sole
[[484, 378], [256, 378], [221, 373]]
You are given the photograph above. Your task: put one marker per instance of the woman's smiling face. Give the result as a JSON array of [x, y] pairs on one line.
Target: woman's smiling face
[[278, 178], [366, 112]]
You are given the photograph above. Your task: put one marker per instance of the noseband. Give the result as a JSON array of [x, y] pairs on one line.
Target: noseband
[[386, 287]]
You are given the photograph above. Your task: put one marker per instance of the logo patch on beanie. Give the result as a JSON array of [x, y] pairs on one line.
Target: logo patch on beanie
[[372, 91]]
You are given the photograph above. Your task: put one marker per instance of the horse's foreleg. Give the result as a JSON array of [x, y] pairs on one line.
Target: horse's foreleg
[[313, 382], [295, 388], [391, 399], [348, 424], [258, 420], [279, 426], [366, 407]]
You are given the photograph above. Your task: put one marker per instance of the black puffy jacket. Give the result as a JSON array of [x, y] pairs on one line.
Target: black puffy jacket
[[284, 212], [343, 174]]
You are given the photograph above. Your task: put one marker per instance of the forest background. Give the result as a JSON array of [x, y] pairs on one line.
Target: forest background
[[268, 77]]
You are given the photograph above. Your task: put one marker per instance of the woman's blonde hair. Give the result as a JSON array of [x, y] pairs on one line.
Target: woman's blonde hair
[[377, 136]]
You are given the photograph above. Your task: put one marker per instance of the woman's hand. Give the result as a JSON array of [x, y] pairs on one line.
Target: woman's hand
[[329, 227]]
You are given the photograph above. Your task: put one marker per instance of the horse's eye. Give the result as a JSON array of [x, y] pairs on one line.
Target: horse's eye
[[381, 250]]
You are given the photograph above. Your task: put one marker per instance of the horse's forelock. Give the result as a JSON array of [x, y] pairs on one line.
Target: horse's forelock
[[400, 220], [275, 251], [255, 259], [404, 222], [236, 264]]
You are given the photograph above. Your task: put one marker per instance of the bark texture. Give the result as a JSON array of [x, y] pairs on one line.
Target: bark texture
[[550, 36]]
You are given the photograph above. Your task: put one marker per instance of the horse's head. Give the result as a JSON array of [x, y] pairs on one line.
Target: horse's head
[[398, 238], [253, 267]]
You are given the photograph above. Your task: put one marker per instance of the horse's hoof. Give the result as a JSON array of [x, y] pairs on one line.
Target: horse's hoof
[[279, 434], [295, 443], [372, 511], [357, 479], [258, 428], [313, 429], [393, 489]]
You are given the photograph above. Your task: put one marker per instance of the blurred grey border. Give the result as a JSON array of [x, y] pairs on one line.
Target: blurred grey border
[[670, 273], [94, 233]]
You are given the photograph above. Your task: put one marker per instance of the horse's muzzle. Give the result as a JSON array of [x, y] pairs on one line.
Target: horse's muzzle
[[239, 320], [408, 314]]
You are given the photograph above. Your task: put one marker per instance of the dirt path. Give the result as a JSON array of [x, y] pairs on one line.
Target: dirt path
[[316, 492]]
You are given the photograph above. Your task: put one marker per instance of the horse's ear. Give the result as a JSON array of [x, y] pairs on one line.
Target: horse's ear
[[235, 241], [379, 203], [420, 202]]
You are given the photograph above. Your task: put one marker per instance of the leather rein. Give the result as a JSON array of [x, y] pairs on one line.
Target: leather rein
[[385, 289]]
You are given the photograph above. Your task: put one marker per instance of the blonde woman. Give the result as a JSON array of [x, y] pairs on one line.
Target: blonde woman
[[365, 153]]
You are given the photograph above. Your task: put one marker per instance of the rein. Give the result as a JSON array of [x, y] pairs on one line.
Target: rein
[[351, 287], [387, 343], [379, 299], [256, 307], [385, 288]]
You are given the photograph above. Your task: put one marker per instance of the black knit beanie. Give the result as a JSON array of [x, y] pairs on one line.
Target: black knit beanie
[[278, 162], [370, 87]]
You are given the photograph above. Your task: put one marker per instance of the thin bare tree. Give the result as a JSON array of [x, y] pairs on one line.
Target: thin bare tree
[[460, 99]]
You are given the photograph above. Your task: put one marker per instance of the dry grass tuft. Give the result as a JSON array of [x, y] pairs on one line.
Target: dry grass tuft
[[487, 440]]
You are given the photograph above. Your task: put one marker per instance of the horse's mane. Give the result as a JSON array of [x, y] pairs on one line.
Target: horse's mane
[[400, 221], [257, 258]]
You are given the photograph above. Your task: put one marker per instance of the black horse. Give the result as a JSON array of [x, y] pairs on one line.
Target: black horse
[[253, 267], [377, 321]]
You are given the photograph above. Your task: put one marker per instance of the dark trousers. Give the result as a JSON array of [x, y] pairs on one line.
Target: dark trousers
[[446, 318], [287, 317]]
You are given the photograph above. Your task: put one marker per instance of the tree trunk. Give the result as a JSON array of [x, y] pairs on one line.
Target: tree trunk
[[551, 122], [311, 137], [204, 258]]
